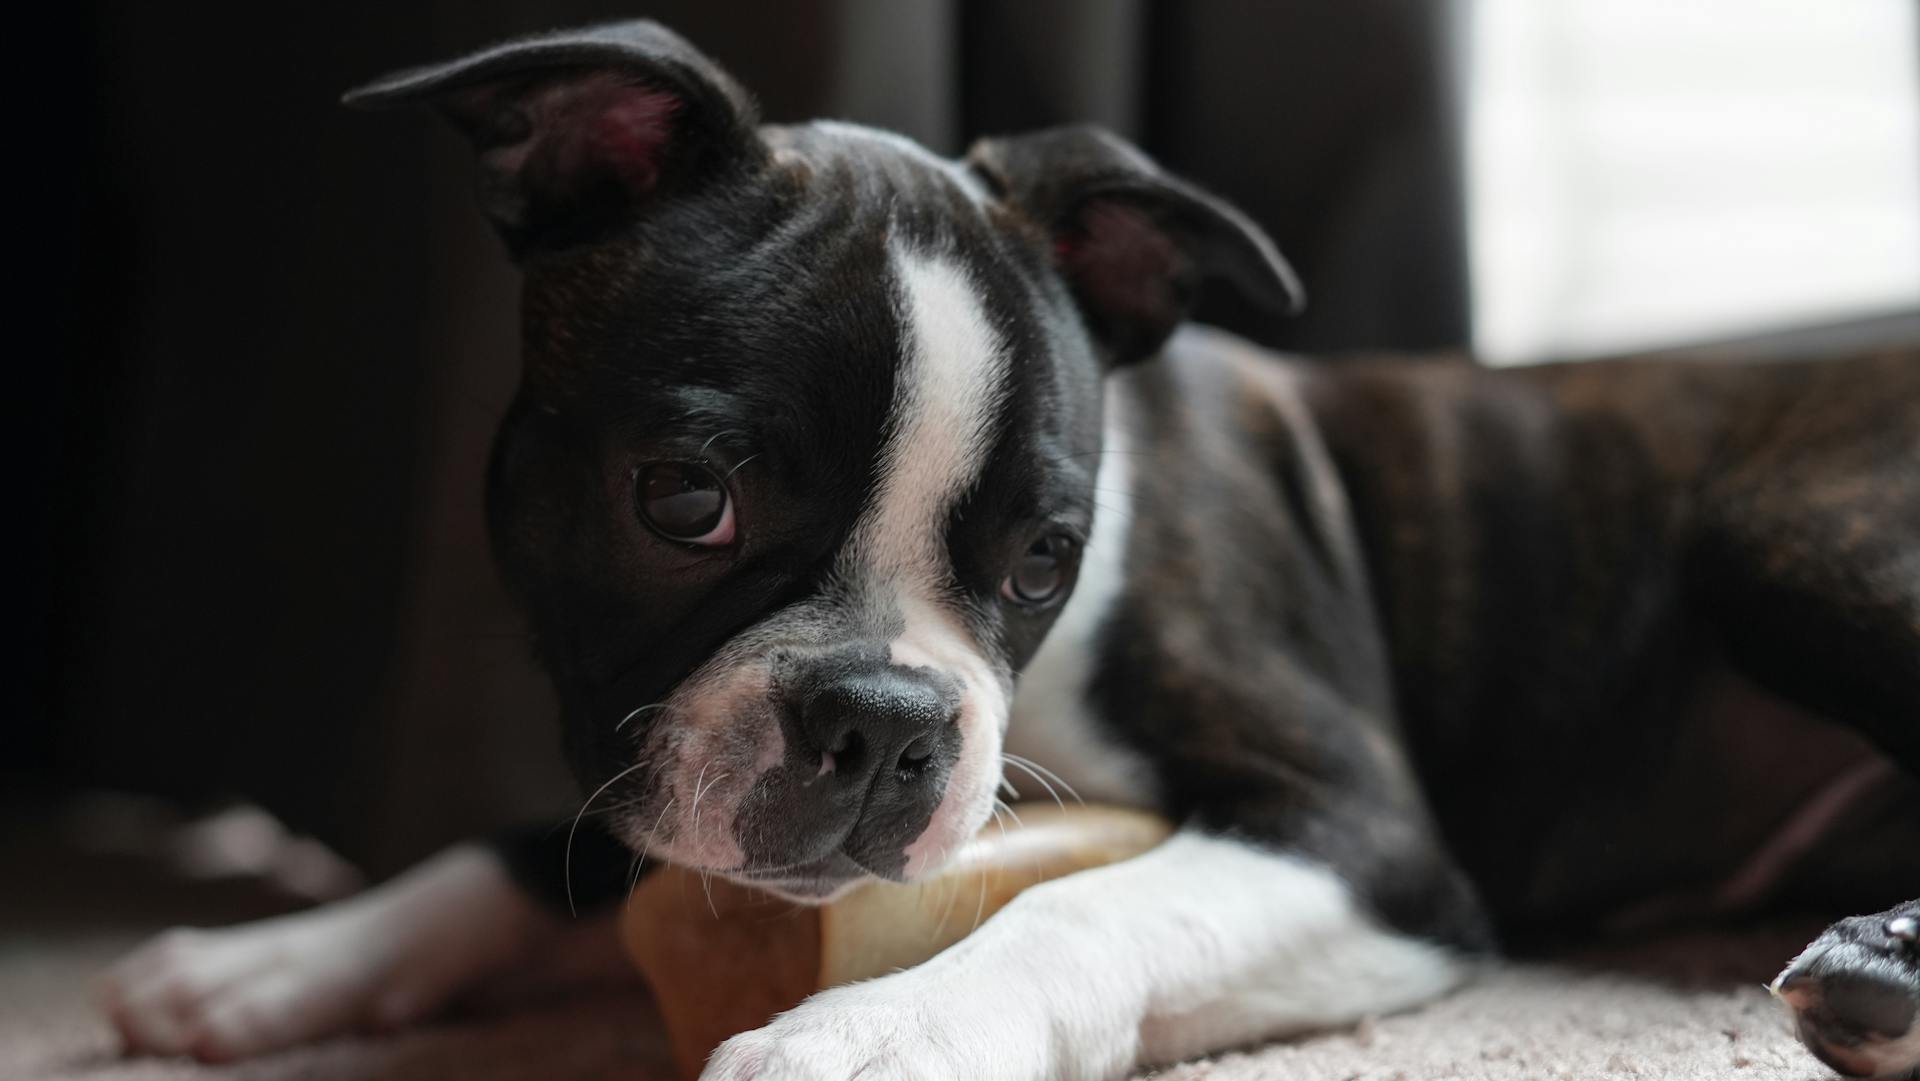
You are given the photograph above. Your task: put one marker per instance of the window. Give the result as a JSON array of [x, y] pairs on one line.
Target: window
[[1658, 172]]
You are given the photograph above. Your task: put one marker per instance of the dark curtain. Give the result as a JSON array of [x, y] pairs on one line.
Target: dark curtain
[[281, 337]]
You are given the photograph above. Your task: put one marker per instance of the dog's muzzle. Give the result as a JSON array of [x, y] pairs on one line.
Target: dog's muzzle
[[871, 747]]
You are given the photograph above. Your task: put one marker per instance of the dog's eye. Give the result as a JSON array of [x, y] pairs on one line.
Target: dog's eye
[[684, 502], [1041, 573]]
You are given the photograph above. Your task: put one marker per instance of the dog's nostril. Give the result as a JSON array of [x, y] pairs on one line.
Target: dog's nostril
[[847, 747], [876, 723], [916, 753]]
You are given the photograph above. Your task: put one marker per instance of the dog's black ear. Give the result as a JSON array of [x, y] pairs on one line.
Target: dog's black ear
[[1134, 243], [580, 130]]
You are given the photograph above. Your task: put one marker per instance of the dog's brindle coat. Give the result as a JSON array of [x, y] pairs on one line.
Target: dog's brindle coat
[[1403, 645]]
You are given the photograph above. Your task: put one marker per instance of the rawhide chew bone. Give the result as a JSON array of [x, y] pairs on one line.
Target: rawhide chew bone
[[723, 959]]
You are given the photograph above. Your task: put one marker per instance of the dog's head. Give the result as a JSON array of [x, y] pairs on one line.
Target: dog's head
[[803, 457]]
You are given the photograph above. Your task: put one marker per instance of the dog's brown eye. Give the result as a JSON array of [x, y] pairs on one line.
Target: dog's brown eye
[[685, 502], [1041, 572]]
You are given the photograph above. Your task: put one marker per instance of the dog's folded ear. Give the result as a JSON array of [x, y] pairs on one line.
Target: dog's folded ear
[[579, 131], [1134, 243]]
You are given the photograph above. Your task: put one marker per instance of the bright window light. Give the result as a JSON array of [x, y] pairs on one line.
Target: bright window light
[[1645, 173]]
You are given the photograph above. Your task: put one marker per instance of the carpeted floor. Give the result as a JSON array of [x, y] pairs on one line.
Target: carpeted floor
[[1681, 1008]]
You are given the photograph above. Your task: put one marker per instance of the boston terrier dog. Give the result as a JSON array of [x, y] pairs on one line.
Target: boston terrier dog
[[844, 479]]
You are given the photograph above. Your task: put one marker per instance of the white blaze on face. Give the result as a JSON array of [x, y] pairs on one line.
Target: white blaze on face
[[947, 397], [713, 739]]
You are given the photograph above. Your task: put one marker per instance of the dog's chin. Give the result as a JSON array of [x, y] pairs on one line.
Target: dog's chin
[[811, 892], [818, 883]]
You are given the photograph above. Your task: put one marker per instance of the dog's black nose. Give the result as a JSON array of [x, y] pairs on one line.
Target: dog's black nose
[[890, 719]]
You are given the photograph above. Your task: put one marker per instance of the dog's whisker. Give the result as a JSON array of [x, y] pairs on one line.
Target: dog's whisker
[[752, 872], [658, 819], [1033, 860], [953, 898], [741, 464], [716, 437], [1043, 774], [1028, 770], [980, 906], [698, 791], [647, 845], [633, 873], [953, 887], [614, 809], [646, 786], [1101, 453], [1011, 813], [566, 861], [638, 712], [694, 811]]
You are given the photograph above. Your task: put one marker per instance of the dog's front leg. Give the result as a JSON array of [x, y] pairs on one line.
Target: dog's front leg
[[1202, 944], [383, 959]]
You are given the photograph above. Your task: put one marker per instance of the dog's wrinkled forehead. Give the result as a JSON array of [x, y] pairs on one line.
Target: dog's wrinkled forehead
[[789, 319], [791, 291]]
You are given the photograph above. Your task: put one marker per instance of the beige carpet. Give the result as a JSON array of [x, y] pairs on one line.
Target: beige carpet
[[1684, 1007]]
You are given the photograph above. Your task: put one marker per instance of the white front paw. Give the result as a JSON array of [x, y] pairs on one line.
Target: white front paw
[[905, 1027]]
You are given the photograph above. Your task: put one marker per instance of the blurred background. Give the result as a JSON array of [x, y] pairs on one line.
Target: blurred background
[[252, 444]]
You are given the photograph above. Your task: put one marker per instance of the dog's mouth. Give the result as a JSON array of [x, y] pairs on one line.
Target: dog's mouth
[[813, 883]]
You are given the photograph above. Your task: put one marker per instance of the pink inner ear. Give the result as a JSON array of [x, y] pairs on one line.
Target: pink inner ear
[[1122, 263], [631, 133], [602, 122]]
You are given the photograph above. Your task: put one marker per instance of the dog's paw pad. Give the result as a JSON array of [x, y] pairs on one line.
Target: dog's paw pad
[[1855, 993]]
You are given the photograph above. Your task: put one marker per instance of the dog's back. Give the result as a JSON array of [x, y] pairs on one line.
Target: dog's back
[[1601, 585]]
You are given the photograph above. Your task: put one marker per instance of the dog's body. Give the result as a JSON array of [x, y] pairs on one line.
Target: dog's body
[[824, 439], [1547, 589]]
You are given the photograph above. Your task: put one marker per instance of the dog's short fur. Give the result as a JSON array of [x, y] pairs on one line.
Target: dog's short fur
[[818, 432]]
